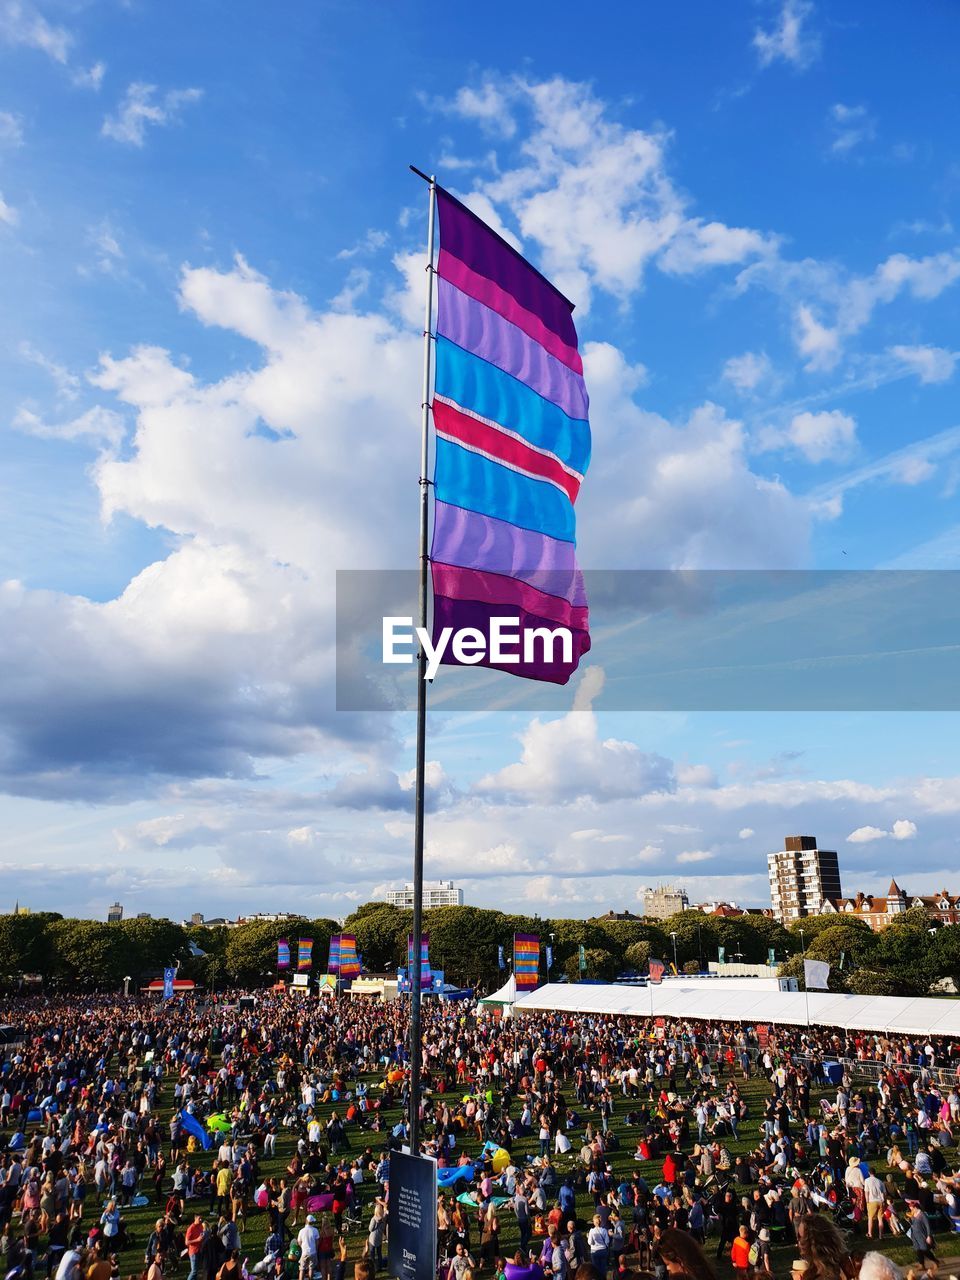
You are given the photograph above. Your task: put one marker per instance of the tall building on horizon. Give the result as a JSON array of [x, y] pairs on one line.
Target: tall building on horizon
[[436, 893], [802, 878], [114, 913], [663, 901]]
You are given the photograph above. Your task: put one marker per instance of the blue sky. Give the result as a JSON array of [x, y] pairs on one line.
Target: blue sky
[[212, 256]]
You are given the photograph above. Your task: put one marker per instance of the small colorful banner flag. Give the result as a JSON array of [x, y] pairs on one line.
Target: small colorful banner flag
[[425, 978], [549, 954], [771, 957], [169, 976], [656, 969], [721, 954], [304, 953], [816, 974], [582, 958], [283, 954], [526, 960], [501, 961]]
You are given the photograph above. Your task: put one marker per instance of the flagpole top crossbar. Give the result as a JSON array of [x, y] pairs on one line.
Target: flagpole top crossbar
[[430, 178]]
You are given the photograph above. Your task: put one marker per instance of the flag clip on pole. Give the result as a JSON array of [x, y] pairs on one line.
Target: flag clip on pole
[[416, 958]]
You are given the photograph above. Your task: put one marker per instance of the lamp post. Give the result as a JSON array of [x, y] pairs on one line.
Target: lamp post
[[126, 985], [673, 937], [699, 950], [806, 993]]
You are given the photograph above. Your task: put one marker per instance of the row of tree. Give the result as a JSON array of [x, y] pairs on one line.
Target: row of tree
[[909, 957]]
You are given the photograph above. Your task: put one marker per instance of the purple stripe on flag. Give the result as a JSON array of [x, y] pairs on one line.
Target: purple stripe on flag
[[463, 235], [458, 614], [475, 541], [483, 331]]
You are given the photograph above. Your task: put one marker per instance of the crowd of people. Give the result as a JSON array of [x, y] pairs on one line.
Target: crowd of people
[[565, 1143]]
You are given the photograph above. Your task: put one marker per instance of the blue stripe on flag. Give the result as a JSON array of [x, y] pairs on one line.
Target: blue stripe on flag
[[483, 388], [467, 479]]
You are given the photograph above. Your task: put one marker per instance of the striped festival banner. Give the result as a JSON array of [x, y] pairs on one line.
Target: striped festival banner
[[526, 960], [333, 956], [304, 953], [283, 954], [425, 977], [512, 446], [349, 961]]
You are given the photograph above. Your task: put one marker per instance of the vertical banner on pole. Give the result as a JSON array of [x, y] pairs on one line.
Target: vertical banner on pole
[[169, 974], [412, 1217], [548, 950], [426, 981], [771, 957], [526, 961], [283, 954], [656, 969], [721, 955], [304, 953], [582, 958]]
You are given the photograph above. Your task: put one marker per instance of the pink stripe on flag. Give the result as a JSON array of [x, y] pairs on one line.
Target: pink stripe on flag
[[491, 295], [506, 593]]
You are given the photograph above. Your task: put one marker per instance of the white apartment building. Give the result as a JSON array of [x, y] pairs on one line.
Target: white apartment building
[[436, 893], [802, 878]]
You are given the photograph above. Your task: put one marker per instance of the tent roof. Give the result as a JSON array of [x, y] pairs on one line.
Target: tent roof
[[899, 1014], [506, 995]]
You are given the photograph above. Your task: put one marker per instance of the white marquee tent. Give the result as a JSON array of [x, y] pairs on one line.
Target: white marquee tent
[[902, 1015]]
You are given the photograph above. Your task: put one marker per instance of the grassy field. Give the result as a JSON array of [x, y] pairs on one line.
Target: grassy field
[[755, 1092]]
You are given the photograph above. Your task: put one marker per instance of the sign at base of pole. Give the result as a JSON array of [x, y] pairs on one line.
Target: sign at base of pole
[[412, 1217]]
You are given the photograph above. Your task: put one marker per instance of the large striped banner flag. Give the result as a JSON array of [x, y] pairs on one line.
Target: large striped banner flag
[[333, 956], [512, 446], [283, 954], [426, 979], [304, 953], [526, 961]]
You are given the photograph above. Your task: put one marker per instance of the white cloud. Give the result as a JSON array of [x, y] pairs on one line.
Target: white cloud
[[696, 775], [11, 129], [98, 425], [866, 835], [21, 24], [903, 829], [821, 437], [594, 195], [8, 214], [746, 372], [142, 107], [790, 38], [818, 343], [67, 383], [694, 855], [851, 126], [90, 77], [746, 833], [488, 105], [565, 760], [930, 364]]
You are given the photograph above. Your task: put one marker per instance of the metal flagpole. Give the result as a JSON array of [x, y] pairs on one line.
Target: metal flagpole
[[415, 967]]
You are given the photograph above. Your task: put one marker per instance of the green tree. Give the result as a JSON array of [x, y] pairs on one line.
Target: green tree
[[811, 926], [853, 946], [250, 955], [25, 943], [870, 982], [571, 935], [464, 942], [150, 945], [698, 937], [600, 964], [638, 955], [87, 953], [381, 931], [945, 954], [905, 950], [622, 934]]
